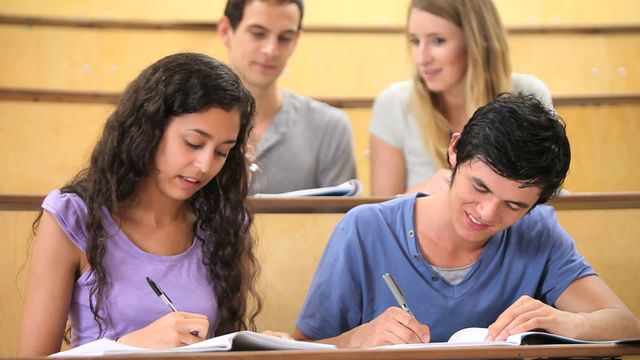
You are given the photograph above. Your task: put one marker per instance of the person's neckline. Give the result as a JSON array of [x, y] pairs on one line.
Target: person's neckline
[[115, 226]]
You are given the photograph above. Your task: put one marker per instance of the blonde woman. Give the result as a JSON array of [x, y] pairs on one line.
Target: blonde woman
[[461, 61]]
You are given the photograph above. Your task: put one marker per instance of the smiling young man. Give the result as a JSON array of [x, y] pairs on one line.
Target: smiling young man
[[300, 143], [482, 253]]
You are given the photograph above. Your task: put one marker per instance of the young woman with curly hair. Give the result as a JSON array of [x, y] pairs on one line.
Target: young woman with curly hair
[[164, 197]]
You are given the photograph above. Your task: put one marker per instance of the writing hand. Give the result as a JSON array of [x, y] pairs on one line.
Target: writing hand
[[394, 326], [528, 314], [174, 329]]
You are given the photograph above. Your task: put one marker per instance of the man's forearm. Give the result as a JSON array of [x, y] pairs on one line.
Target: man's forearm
[[609, 324]]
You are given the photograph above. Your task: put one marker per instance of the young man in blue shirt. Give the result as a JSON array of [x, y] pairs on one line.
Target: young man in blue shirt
[[480, 254]]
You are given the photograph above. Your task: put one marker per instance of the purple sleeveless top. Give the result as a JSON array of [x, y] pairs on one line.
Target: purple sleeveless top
[[132, 304]]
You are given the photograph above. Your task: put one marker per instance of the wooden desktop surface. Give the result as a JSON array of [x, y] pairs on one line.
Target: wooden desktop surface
[[309, 236], [454, 352], [341, 204]]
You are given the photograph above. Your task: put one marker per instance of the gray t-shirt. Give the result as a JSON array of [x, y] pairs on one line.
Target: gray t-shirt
[[308, 145], [393, 122]]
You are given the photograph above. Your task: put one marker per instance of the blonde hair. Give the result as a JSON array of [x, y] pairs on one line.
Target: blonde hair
[[488, 68]]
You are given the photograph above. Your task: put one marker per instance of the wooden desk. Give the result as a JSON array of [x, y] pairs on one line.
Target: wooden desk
[[495, 352], [604, 226], [341, 204]]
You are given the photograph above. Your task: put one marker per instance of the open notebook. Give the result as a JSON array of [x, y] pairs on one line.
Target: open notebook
[[242, 340], [475, 336], [352, 187]]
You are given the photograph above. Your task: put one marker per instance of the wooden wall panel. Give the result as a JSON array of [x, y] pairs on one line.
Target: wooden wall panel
[[324, 65], [568, 12], [288, 260], [607, 238], [563, 12], [580, 63], [360, 130], [139, 10], [605, 150], [605, 147], [329, 12], [85, 59], [44, 144], [15, 228], [108, 59], [346, 65]]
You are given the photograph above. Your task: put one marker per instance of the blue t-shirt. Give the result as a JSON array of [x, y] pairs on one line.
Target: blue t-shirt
[[534, 257]]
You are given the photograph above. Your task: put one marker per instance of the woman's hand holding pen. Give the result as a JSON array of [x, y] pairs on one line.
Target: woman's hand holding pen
[[174, 329], [394, 326]]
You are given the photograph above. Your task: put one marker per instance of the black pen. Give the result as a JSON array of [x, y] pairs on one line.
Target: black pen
[[161, 294], [166, 300]]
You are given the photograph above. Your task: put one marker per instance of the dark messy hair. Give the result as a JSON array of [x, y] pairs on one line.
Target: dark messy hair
[[520, 139], [234, 10], [124, 157]]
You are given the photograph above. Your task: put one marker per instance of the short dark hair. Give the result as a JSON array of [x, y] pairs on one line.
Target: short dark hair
[[520, 139], [234, 10]]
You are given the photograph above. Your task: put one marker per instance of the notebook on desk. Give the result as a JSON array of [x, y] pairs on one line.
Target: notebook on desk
[[475, 336], [238, 341], [352, 187]]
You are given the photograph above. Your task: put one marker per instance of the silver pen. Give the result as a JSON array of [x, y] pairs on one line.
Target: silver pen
[[397, 293]]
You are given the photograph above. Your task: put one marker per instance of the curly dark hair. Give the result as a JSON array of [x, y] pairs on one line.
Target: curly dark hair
[[520, 139], [178, 84]]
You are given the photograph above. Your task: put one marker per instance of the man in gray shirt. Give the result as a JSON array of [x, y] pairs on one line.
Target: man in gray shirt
[[300, 143]]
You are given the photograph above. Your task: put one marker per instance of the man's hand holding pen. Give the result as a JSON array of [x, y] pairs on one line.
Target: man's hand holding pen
[[394, 326]]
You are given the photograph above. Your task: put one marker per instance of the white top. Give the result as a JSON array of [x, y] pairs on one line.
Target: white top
[[393, 122]]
